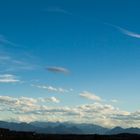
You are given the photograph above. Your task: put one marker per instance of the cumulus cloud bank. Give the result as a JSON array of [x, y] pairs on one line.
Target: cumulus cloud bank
[[50, 99], [96, 113]]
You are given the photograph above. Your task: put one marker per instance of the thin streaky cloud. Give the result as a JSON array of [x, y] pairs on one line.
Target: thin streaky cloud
[[52, 88], [125, 31], [5, 41], [66, 12], [57, 10], [8, 78], [56, 69], [129, 33], [90, 96], [3, 58], [60, 10], [10, 63]]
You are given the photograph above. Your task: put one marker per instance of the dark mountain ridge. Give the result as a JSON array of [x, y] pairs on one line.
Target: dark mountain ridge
[[66, 128]]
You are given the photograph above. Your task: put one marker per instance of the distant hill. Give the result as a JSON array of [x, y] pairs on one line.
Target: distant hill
[[65, 128], [83, 128], [119, 130], [48, 129]]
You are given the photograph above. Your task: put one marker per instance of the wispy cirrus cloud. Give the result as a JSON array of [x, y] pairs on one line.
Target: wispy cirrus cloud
[[56, 9], [8, 78], [52, 88], [125, 31], [5, 41], [16, 60], [90, 96], [4, 58], [56, 69], [129, 33], [10, 63]]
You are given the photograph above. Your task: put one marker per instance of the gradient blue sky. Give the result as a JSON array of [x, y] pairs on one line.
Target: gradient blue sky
[[97, 41]]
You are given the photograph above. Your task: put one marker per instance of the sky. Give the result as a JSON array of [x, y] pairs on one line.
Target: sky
[[70, 61]]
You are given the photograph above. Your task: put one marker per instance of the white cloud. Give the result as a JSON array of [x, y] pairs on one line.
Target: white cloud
[[17, 102], [53, 99], [114, 101], [26, 101], [129, 33], [125, 31], [8, 78], [90, 96], [96, 113], [52, 89], [50, 99]]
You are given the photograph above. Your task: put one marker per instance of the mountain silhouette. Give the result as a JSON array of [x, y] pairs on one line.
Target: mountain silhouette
[[65, 128]]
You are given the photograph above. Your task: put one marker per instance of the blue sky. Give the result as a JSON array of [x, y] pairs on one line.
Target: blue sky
[[69, 55]]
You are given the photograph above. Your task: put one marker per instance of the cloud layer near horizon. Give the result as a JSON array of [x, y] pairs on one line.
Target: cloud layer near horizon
[[29, 109]]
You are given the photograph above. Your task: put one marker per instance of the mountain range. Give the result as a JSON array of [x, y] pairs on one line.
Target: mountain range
[[66, 128]]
